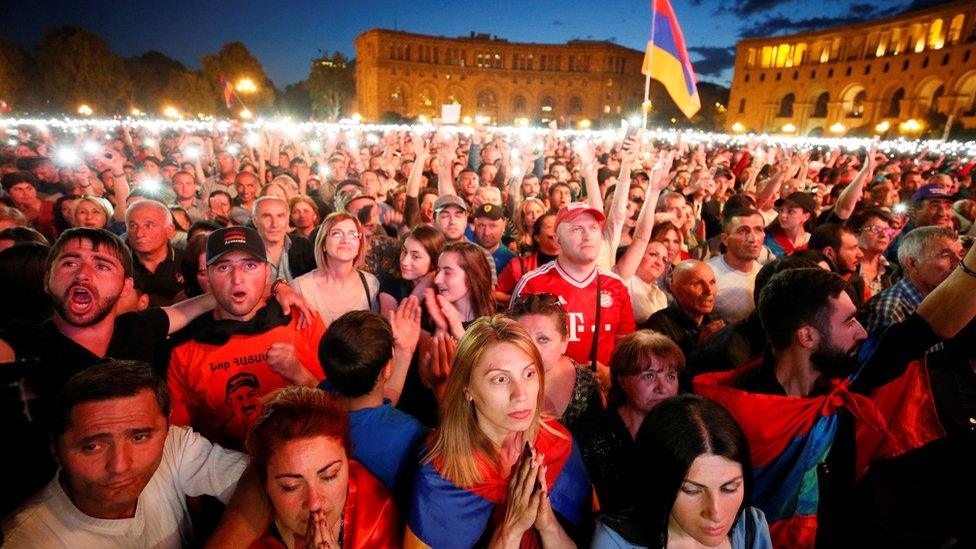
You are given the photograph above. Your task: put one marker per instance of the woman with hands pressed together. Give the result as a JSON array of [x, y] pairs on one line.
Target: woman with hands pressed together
[[497, 472]]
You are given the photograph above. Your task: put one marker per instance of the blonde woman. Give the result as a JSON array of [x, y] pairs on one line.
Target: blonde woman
[[496, 469], [337, 285]]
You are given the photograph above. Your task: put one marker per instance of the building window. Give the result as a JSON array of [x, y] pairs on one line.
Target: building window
[[487, 100], [813, 74], [847, 72], [820, 106], [945, 60], [886, 67], [742, 106], [796, 74], [894, 106], [867, 69], [786, 106], [905, 65], [830, 73], [934, 105], [779, 76], [548, 105], [762, 77], [747, 76], [575, 105], [965, 56], [857, 105], [520, 102], [925, 62]]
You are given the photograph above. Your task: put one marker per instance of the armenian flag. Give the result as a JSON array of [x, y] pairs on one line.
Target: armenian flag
[[444, 515], [790, 436], [666, 59], [228, 90]]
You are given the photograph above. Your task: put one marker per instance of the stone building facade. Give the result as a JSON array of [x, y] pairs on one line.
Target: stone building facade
[[863, 79], [413, 75]]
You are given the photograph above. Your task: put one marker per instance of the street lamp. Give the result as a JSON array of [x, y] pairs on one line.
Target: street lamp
[[584, 124], [171, 112], [738, 127], [837, 128], [246, 114], [789, 127], [246, 85], [882, 126], [910, 126], [85, 110]]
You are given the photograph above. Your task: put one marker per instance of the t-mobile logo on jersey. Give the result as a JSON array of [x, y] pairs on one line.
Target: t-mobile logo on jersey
[[577, 327]]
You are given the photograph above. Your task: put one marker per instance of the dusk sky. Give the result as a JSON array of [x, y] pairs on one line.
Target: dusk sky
[[286, 35]]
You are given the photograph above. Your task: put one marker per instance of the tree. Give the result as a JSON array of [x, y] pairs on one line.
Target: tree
[[235, 62], [332, 86], [77, 67], [295, 101], [152, 73], [189, 91], [14, 75]]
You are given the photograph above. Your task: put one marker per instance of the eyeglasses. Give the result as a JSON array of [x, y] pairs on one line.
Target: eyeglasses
[[877, 229], [337, 234]]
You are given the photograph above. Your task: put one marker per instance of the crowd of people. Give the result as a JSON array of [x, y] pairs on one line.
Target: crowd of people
[[477, 339]]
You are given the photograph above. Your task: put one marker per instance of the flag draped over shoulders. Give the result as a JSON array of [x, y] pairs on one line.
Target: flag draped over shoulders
[[445, 515], [790, 436]]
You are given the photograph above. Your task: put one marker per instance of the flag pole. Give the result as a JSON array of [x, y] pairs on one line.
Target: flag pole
[[647, 77]]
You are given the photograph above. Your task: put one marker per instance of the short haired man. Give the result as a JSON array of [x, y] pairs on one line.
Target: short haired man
[[150, 227], [560, 195], [219, 206], [927, 255], [932, 206], [811, 404], [223, 180], [489, 227], [596, 299], [451, 217], [185, 188], [248, 333], [247, 186], [365, 359], [288, 257], [125, 471], [687, 320], [838, 243], [743, 232]]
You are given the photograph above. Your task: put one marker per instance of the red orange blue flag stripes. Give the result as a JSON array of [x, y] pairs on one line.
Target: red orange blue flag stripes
[[666, 59]]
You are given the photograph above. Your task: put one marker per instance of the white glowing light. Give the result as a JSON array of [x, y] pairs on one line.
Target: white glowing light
[[192, 152], [149, 142], [315, 146], [67, 156], [151, 184], [253, 140], [234, 149]]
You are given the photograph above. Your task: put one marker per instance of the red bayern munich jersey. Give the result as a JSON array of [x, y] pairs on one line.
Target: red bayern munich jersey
[[579, 299]]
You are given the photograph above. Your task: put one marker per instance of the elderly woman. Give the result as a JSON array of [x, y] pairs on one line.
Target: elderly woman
[[299, 447], [694, 485], [337, 285], [496, 469], [644, 370]]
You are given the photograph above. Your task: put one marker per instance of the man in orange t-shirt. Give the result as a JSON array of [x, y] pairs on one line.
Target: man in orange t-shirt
[[247, 349]]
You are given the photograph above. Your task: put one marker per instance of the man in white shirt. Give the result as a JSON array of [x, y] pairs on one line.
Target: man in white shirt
[[743, 232], [125, 472]]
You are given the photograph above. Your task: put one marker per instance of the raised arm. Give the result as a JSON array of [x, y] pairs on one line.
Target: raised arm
[[952, 304], [851, 194], [627, 266]]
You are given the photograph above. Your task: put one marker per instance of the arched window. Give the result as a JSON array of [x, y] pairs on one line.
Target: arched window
[[742, 106], [894, 106], [548, 104], [857, 105], [820, 106], [575, 105], [934, 105], [397, 96], [786, 106], [520, 102], [487, 100]]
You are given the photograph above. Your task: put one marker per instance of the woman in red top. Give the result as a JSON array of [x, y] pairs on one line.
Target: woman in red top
[[320, 498]]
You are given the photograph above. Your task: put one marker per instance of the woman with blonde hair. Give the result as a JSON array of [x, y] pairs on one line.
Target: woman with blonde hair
[[528, 211], [496, 469], [337, 285]]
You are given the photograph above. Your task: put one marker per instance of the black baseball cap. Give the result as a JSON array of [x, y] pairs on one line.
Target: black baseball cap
[[235, 239], [490, 211]]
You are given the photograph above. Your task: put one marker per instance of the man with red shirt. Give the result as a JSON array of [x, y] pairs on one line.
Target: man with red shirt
[[582, 286], [247, 349]]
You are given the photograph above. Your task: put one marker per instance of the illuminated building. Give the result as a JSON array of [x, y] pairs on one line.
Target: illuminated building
[[413, 75], [858, 77]]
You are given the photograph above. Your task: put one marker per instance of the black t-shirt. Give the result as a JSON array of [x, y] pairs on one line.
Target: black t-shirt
[[49, 358], [165, 283]]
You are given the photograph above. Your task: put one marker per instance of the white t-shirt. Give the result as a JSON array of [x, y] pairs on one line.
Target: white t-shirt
[[191, 466], [734, 300], [647, 299]]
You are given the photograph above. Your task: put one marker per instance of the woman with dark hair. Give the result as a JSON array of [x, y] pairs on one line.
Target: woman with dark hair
[[545, 248], [21, 192], [418, 266], [693, 485], [193, 266], [572, 392], [299, 448], [644, 370], [22, 270], [463, 288], [791, 229]]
